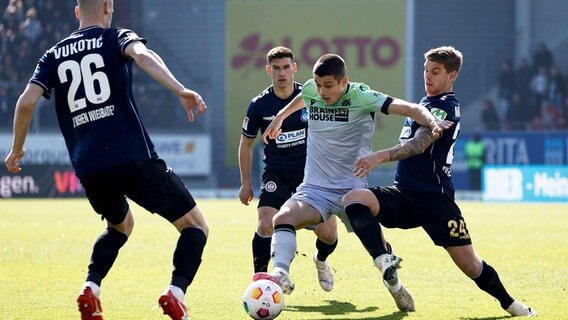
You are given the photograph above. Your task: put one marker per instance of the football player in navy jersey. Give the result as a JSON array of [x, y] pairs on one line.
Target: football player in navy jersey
[[284, 160], [90, 73], [423, 193]]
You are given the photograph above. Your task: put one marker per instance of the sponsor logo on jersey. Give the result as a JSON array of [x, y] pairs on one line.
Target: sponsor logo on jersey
[[329, 114], [245, 123], [270, 186], [291, 136], [439, 113]]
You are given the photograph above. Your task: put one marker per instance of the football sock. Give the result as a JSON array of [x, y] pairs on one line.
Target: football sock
[[177, 292], [94, 287], [260, 252], [393, 285], [105, 251], [488, 281], [367, 228], [187, 257], [283, 246], [324, 249]]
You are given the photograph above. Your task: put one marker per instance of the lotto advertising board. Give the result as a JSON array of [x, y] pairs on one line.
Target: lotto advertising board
[[369, 35], [525, 183]]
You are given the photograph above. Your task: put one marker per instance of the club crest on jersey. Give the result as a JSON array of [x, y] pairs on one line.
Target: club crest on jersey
[[304, 116], [270, 186], [346, 103], [439, 113]]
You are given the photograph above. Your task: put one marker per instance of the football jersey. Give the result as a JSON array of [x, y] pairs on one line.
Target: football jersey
[[340, 134], [288, 151], [432, 170], [91, 78]]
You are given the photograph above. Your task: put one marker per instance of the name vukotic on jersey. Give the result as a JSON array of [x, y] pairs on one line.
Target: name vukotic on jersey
[[77, 46], [329, 114], [93, 115]]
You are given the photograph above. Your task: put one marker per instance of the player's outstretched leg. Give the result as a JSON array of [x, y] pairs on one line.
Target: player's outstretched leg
[[89, 303]]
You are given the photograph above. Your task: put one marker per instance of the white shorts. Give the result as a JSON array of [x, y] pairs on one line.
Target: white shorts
[[325, 200]]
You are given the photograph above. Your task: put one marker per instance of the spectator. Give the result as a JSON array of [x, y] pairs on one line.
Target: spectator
[[547, 118], [31, 27], [539, 85], [490, 116], [475, 158], [523, 77], [542, 57], [506, 87], [517, 115], [556, 87]]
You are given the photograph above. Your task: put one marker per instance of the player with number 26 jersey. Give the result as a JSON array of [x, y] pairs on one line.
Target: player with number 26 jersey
[[92, 79]]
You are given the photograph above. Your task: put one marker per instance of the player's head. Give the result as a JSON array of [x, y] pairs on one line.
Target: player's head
[[441, 68], [281, 67], [96, 11], [330, 76]]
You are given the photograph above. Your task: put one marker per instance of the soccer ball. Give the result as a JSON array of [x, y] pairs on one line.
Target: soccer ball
[[263, 299]]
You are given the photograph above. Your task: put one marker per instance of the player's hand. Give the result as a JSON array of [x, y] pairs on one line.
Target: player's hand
[[273, 130], [364, 165], [245, 194], [12, 161], [190, 100], [440, 126]]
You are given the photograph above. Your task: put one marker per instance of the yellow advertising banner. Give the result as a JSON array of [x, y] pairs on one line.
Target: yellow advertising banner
[[368, 34]]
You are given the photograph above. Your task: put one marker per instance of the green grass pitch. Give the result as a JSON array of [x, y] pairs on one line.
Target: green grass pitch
[[45, 247]]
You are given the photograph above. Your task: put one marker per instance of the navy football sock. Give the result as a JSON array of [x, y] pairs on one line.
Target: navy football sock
[[105, 251], [489, 282], [367, 228], [261, 252], [324, 249], [187, 257]]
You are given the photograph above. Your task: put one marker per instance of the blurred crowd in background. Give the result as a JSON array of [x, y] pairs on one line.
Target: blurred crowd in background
[[30, 27], [530, 95]]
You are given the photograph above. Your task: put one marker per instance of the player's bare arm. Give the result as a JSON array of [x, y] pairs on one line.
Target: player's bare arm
[[414, 146], [152, 64], [420, 114], [274, 128], [22, 118], [246, 193], [423, 138]]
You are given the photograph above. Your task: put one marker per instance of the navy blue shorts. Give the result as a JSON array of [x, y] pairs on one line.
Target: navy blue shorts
[[149, 183], [436, 213], [277, 187]]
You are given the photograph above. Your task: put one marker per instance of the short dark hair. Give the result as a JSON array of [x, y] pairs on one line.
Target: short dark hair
[[450, 57], [279, 53], [330, 65]]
